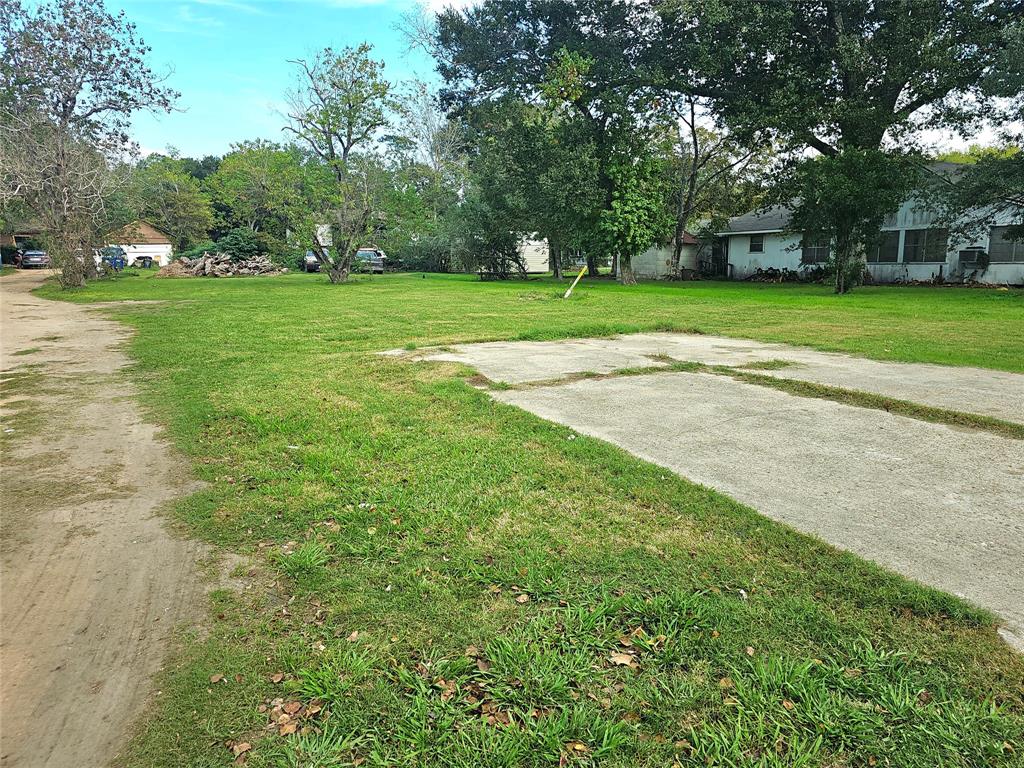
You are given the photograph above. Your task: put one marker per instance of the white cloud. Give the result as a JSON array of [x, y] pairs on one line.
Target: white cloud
[[187, 16], [237, 5]]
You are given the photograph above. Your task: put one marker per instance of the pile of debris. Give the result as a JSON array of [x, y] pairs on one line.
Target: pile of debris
[[219, 265], [773, 275], [806, 274]]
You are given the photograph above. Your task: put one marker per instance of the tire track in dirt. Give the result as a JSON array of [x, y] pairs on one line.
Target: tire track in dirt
[[92, 584]]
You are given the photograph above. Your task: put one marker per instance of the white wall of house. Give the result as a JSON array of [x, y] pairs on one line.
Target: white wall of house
[[535, 253], [159, 252], [782, 251], [656, 262], [777, 251], [324, 236]]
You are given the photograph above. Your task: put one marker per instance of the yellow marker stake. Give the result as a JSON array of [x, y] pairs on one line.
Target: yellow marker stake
[[578, 278]]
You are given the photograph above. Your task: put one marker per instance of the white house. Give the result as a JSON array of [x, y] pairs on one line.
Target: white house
[[535, 254], [140, 239], [656, 262], [915, 245], [653, 264]]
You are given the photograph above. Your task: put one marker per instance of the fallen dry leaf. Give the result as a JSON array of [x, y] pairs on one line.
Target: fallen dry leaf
[[292, 707], [241, 748], [483, 665], [725, 683], [216, 678], [621, 659], [522, 599], [750, 650], [578, 747], [277, 677], [788, 704], [354, 636], [289, 728]]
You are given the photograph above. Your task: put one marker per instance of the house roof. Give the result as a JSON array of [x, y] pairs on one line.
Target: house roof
[[139, 233], [776, 217], [773, 219]]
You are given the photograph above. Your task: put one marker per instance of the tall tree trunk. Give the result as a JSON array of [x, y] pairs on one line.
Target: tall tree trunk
[[687, 195], [555, 258], [338, 274], [848, 258], [89, 269], [626, 276], [591, 265], [72, 271]]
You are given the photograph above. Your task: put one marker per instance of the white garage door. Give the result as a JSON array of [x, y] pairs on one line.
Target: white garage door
[[161, 254]]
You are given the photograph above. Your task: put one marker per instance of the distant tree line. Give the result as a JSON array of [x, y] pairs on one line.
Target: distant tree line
[[601, 126]]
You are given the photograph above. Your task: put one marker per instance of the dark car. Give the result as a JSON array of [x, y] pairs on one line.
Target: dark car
[[114, 256], [309, 262], [370, 260], [27, 259]]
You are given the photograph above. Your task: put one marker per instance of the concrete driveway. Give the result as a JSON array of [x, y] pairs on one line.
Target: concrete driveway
[[939, 504], [968, 390]]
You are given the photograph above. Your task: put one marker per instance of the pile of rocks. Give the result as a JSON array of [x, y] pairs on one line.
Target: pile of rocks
[[219, 265]]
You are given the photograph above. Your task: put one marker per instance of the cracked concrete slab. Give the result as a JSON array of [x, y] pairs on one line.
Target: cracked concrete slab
[[969, 390], [937, 504]]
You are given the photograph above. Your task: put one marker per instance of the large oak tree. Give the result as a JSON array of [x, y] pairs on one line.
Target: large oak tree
[[857, 82]]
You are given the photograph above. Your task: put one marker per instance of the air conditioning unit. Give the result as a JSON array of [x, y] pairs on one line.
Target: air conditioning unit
[[973, 258]]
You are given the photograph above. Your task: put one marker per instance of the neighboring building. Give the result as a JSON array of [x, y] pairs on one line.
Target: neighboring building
[[653, 264], [656, 262], [535, 255], [21, 235], [140, 238], [915, 245]]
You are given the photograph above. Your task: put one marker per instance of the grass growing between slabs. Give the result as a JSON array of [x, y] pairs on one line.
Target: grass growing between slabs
[[439, 579]]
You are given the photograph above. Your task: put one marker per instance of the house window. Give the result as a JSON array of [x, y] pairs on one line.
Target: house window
[[1002, 248], [887, 251], [925, 245], [814, 251], [757, 243]]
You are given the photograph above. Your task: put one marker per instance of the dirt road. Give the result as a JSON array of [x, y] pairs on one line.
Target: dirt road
[[93, 584]]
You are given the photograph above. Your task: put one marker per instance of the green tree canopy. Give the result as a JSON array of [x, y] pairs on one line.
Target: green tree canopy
[[854, 78], [169, 197]]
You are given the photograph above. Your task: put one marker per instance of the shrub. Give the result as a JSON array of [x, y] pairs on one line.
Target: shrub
[[242, 244], [207, 246], [427, 254]]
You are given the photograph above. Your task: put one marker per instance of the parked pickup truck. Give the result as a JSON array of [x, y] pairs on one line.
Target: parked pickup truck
[[370, 259]]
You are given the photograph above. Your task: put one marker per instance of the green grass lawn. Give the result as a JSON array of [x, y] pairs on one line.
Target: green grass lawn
[[443, 580]]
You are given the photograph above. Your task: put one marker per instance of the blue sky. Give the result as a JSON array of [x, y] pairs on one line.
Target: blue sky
[[228, 58]]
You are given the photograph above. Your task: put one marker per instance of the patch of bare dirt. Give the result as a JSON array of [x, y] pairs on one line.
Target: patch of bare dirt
[[93, 584]]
